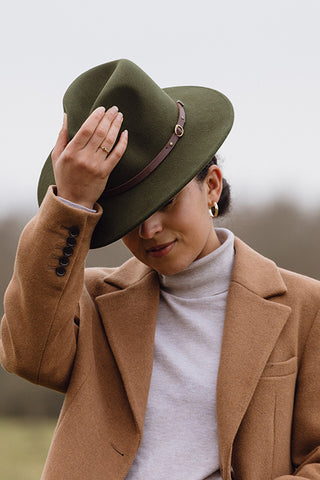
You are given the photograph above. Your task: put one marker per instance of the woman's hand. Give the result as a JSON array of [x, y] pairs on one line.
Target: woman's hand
[[81, 167]]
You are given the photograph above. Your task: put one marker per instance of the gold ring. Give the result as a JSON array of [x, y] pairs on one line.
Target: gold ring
[[104, 150]]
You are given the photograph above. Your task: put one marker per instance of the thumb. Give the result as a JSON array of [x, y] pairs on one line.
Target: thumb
[[62, 141]]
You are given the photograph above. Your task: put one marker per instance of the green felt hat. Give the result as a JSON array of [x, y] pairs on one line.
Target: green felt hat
[[169, 142]]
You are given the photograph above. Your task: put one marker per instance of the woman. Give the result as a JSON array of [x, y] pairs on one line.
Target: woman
[[196, 359]]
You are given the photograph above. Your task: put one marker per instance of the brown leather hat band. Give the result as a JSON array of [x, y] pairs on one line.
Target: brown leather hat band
[[178, 132]]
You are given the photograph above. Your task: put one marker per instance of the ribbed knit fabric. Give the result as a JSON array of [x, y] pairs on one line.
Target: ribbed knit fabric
[[180, 432]]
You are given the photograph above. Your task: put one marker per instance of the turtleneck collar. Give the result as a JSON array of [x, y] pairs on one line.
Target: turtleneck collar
[[208, 276]]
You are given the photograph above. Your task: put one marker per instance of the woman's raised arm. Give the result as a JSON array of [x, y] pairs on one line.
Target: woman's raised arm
[[39, 334]]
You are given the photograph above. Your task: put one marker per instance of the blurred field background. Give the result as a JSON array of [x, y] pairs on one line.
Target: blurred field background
[[24, 444], [280, 230]]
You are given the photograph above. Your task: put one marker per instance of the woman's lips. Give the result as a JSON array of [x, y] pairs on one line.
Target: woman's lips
[[161, 250]]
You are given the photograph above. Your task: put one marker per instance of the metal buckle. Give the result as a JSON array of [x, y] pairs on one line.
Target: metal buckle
[[178, 130]]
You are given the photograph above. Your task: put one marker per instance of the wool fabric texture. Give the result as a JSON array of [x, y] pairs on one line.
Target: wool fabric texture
[[90, 334]]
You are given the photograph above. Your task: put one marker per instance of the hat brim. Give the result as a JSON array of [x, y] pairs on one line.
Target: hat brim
[[209, 118]]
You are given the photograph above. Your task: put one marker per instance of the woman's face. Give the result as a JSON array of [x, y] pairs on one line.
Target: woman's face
[[181, 232]]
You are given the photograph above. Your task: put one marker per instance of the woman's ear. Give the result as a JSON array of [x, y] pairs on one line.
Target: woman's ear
[[213, 184]]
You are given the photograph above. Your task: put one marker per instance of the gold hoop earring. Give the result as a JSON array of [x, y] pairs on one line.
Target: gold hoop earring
[[216, 210]]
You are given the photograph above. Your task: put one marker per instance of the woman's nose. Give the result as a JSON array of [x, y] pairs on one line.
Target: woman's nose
[[150, 227]]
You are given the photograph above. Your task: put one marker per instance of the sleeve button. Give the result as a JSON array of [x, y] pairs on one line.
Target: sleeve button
[[60, 271], [64, 261], [71, 241], [74, 231], [67, 251]]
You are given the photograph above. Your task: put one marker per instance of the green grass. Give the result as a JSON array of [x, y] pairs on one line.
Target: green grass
[[23, 447]]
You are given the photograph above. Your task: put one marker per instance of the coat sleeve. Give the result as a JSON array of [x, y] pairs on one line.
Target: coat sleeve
[[38, 334]]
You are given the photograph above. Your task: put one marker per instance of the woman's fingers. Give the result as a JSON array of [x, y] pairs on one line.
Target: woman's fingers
[[88, 128], [110, 138], [113, 158], [102, 129]]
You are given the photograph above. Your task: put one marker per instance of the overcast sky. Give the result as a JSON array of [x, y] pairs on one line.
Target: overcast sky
[[263, 55]]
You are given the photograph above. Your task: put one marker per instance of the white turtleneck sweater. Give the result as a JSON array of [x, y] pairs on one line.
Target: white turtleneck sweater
[[180, 432]]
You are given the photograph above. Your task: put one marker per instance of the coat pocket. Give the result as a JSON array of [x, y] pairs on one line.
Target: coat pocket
[[280, 369], [262, 448]]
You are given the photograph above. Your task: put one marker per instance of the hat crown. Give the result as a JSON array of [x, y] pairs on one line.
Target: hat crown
[[149, 114]]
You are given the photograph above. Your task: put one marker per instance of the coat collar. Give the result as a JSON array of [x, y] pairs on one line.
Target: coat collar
[[252, 326], [128, 274], [255, 272]]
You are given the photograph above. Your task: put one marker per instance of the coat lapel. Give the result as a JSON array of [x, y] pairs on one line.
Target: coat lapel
[[252, 326], [129, 316]]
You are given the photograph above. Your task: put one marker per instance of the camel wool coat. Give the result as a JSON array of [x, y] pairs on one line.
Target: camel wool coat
[[91, 336]]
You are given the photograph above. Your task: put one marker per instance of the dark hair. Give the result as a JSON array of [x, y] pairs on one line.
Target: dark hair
[[225, 198]]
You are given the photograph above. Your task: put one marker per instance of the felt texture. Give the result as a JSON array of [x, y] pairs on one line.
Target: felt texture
[[91, 336], [150, 115]]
